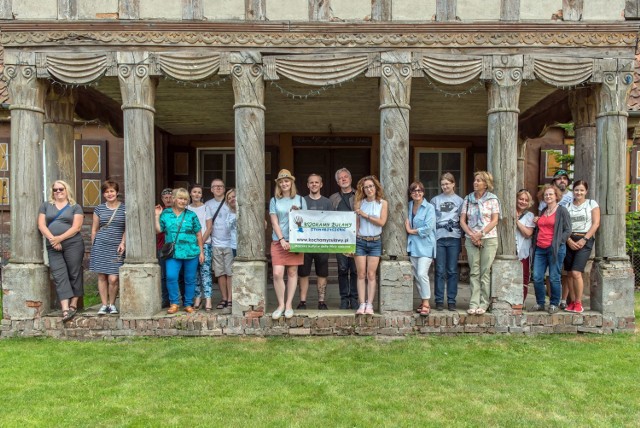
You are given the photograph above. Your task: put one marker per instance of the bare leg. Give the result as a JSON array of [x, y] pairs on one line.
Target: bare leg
[[103, 288], [304, 287], [278, 285], [361, 268], [292, 285], [322, 287], [222, 282], [372, 267], [113, 288], [578, 286], [229, 294]]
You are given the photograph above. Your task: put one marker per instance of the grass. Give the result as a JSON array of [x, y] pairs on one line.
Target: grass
[[553, 380], [454, 381]]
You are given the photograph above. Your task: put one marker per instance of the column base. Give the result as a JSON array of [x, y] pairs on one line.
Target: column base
[[249, 288], [140, 294], [506, 289], [25, 289], [612, 286], [396, 286]]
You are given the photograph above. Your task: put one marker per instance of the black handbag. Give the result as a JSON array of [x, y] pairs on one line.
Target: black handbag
[[167, 250]]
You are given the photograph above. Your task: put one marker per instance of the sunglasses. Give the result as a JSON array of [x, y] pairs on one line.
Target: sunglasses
[[58, 189]]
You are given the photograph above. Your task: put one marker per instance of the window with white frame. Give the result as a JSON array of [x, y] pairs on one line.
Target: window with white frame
[[213, 163], [431, 163]]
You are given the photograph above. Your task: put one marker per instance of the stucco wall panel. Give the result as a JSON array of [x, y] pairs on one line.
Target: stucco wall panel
[[413, 10], [351, 9], [283, 10], [473, 10], [89, 9], [160, 9], [35, 9], [603, 10], [539, 9], [223, 9]]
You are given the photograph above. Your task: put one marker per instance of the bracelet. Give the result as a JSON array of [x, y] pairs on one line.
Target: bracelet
[[280, 239]]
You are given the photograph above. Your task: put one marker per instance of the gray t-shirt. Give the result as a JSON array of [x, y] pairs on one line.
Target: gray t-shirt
[[64, 221], [447, 215], [322, 204]]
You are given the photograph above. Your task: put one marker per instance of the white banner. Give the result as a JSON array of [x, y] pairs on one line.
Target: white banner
[[322, 231]]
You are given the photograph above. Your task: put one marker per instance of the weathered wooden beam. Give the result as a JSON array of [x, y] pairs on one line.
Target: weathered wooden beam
[[92, 104], [632, 9], [552, 109], [255, 10], [381, 10], [193, 10], [129, 9], [320, 10], [572, 10], [6, 11], [67, 9], [510, 10], [446, 10]]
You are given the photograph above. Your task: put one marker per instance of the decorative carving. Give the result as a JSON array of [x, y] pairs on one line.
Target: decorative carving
[[319, 70], [406, 38], [450, 69], [563, 71], [190, 66], [246, 85], [136, 87], [76, 68]]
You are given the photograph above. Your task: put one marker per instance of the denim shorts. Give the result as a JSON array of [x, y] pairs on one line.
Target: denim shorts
[[368, 248]]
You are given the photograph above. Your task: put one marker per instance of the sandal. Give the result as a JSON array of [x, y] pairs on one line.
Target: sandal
[[425, 310], [419, 309], [229, 304], [68, 315], [222, 304]]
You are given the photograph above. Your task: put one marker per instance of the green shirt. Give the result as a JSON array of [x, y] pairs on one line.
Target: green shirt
[[187, 240]]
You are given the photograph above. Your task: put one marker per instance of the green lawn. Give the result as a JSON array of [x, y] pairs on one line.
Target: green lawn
[[551, 380]]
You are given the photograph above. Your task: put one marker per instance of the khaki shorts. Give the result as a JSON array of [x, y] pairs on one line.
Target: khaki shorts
[[222, 263]]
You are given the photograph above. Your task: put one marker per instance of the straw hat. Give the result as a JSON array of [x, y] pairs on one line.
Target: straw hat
[[285, 173]]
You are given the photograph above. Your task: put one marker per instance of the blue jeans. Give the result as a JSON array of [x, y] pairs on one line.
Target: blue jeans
[[543, 258], [163, 281], [447, 253], [190, 272], [347, 281]]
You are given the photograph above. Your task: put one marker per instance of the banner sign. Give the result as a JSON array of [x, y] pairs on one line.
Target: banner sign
[[322, 231]]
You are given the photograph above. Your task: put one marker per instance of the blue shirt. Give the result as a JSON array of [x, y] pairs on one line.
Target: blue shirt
[[187, 240], [424, 243], [281, 207]]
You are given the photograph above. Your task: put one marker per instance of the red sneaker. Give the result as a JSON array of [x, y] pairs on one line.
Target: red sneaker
[[570, 307], [577, 307]]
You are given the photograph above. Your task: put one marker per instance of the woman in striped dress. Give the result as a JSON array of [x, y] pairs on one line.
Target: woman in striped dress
[[107, 251]]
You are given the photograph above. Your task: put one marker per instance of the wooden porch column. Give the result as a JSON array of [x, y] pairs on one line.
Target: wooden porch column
[[25, 278], [522, 165], [583, 110], [502, 142], [250, 267], [58, 137], [140, 275], [612, 273], [396, 282]]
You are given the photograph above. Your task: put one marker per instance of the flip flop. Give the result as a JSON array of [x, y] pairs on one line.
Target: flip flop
[[425, 311]]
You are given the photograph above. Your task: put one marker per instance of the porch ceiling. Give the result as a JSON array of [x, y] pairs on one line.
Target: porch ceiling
[[352, 107]]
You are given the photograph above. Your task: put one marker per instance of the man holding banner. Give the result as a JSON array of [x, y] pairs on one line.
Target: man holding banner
[[315, 202]]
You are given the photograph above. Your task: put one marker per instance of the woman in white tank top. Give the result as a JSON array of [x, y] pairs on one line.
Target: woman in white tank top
[[371, 211]]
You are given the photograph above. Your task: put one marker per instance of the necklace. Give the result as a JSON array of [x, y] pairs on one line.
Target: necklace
[[550, 213]]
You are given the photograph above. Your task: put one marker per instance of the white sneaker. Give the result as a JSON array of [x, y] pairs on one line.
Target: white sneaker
[[369, 309], [104, 310], [112, 309], [361, 309]]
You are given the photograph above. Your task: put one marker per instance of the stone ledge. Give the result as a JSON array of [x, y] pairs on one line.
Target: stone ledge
[[335, 323]]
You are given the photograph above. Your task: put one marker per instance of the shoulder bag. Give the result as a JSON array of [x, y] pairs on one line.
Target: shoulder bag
[[168, 249]]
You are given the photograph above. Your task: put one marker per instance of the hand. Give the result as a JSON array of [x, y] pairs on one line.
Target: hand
[[121, 248], [535, 219], [57, 247], [295, 207], [285, 245], [201, 257], [54, 240], [158, 210]]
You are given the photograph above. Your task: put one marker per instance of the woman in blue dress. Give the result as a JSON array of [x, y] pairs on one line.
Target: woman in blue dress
[[108, 246]]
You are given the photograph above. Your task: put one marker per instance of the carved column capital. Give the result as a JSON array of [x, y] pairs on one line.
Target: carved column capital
[[25, 90], [507, 73], [395, 90], [137, 87], [248, 85], [614, 92]]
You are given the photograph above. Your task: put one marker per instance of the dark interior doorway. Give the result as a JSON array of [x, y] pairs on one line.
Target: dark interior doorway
[[326, 155]]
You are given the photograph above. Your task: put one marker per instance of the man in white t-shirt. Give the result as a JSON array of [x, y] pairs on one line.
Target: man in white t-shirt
[[222, 259]]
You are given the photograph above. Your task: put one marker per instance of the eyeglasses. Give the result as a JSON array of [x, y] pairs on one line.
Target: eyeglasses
[[58, 189], [417, 191], [371, 186], [217, 187]]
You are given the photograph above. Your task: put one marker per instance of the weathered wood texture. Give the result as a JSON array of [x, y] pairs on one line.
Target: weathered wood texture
[[510, 10], [320, 10], [27, 117], [93, 104], [583, 110], [255, 10], [632, 9], [248, 88], [381, 10], [395, 95], [129, 9], [446, 10], [6, 9], [611, 139], [138, 92], [58, 137], [502, 141], [193, 10], [572, 10], [67, 9], [522, 150]]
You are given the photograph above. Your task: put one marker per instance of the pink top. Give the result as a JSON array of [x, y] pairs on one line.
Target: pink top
[[545, 230]]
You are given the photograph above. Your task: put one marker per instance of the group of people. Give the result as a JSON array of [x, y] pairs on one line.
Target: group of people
[[204, 240]]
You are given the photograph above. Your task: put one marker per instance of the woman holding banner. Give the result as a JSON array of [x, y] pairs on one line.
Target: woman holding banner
[[371, 215], [285, 200]]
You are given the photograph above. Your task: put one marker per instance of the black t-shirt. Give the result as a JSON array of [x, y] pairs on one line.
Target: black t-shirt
[[322, 204]]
